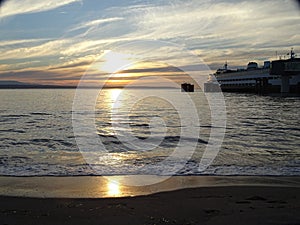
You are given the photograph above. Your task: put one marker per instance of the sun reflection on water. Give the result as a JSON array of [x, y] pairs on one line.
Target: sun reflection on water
[[113, 188], [114, 94]]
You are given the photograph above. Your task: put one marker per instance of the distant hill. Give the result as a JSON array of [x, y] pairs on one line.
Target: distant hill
[[12, 82], [6, 84]]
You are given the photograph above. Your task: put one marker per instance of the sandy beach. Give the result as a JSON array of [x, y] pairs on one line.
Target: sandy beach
[[269, 203], [206, 205]]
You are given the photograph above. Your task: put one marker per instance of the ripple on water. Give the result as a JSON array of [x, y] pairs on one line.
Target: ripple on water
[[262, 136]]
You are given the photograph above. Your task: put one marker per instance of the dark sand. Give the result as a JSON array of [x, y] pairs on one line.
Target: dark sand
[[114, 186], [204, 205]]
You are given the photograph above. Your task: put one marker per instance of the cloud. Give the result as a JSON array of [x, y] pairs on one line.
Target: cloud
[[42, 50], [95, 23], [15, 7], [210, 27], [166, 69], [8, 43], [214, 30], [17, 66], [74, 64]]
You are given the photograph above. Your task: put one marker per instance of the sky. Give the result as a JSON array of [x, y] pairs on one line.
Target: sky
[[58, 41]]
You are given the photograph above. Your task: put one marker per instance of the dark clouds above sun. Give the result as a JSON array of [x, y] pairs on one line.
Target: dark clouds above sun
[[56, 41]]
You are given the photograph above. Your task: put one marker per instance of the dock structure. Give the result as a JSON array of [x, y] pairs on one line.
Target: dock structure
[[287, 70]]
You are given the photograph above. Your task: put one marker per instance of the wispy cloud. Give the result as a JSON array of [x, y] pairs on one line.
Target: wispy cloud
[[80, 63], [93, 24], [18, 66], [7, 43], [217, 30], [214, 30], [41, 50], [14, 7]]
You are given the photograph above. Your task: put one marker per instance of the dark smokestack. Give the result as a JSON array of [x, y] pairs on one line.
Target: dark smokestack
[[298, 2], [1, 2]]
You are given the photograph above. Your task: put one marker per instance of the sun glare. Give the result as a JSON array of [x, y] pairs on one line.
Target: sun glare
[[115, 61], [114, 94], [113, 188]]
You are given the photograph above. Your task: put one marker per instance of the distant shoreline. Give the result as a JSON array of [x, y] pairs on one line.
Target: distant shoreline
[[73, 87], [35, 87]]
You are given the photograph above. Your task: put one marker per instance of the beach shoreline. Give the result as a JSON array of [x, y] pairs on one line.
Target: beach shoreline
[[115, 186], [177, 200], [203, 205]]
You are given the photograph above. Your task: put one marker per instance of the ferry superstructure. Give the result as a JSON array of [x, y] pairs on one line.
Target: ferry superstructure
[[279, 76]]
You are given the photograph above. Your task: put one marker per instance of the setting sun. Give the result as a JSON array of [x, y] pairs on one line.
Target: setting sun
[[115, 61]]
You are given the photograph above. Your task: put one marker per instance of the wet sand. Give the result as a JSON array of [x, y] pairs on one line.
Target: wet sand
[[270, 203], [114, 186]]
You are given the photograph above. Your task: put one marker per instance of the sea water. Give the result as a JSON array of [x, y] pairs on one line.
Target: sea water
[[262, 134]]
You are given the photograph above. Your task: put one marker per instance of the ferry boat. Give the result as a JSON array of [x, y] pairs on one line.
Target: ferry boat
[[279, 76]]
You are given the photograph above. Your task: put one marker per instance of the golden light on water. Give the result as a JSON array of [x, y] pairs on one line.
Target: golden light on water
[[113, 188], [114, 94]]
